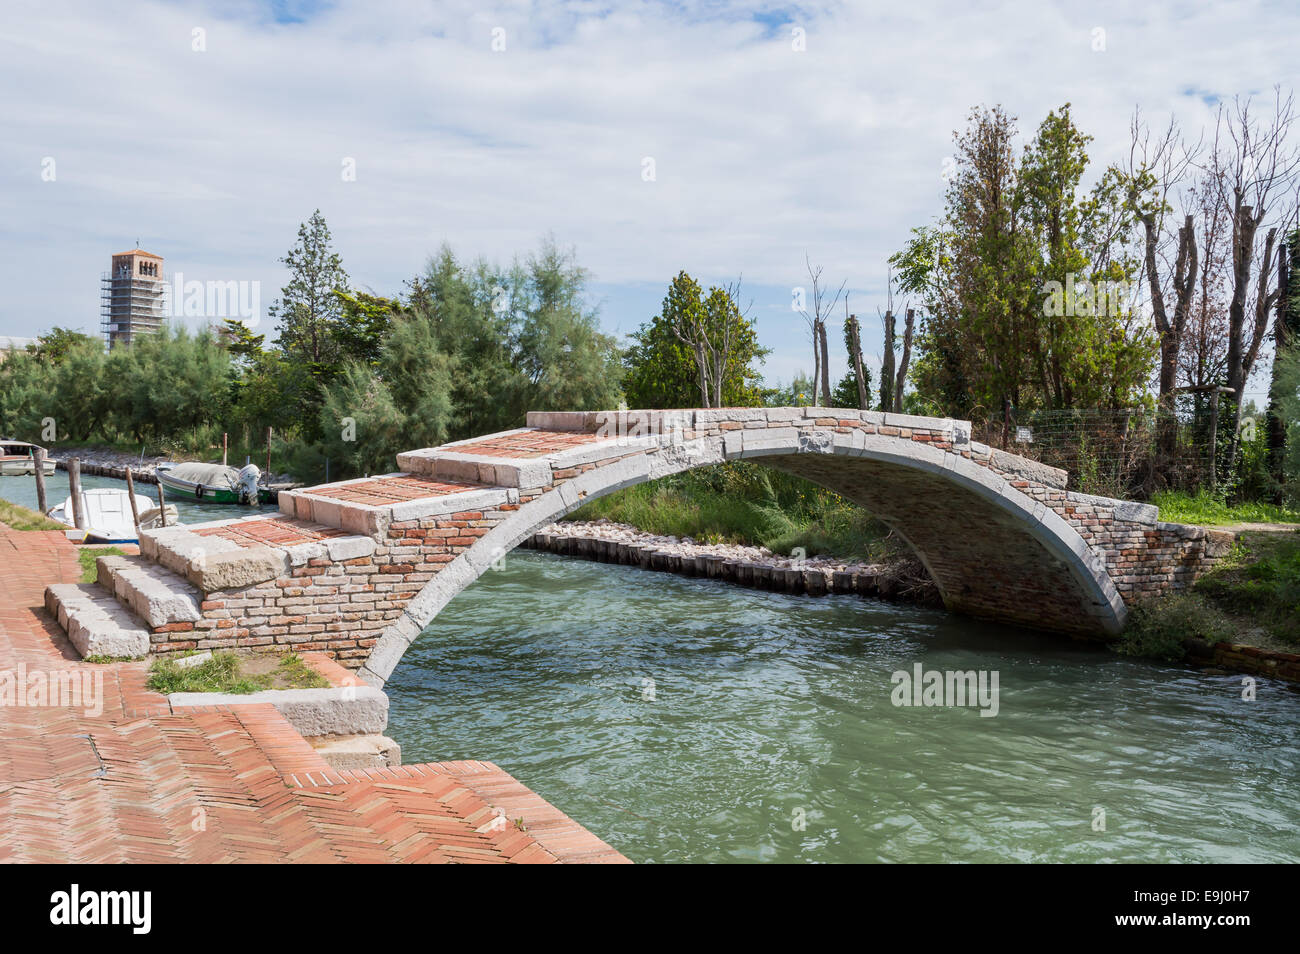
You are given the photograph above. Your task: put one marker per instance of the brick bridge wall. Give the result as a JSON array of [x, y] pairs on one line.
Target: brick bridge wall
[[358, 568]]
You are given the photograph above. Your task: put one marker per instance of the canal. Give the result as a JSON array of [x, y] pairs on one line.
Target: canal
[[690, 720]]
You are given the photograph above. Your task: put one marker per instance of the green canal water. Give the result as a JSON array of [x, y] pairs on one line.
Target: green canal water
[[770, 734], [769, 708]]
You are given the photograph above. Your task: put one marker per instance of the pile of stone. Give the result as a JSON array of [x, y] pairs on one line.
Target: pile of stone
[[757, 567], [106, 462]]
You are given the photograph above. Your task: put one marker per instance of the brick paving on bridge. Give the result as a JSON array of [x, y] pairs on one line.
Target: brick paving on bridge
[[525, 444], [138, 782], [275, 532], [393, 488]]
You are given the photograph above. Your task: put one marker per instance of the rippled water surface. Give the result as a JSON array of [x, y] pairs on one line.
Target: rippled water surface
[[767, 706]]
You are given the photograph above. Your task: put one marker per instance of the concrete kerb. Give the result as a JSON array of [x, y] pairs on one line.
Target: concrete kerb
[[346, 710]]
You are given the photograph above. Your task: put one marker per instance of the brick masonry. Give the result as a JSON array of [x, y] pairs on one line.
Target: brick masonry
[[356, 569]]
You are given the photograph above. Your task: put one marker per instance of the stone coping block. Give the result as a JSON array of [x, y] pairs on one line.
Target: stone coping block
[[248, 566], [351, 710], [1127, 510], [1030, 470], [95, 622], [356, 518], [342, 752]]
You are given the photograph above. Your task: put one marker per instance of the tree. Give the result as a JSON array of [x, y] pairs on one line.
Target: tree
[[992, 274], [1254, 164], [1286, 353], [240, 341], [565, 360], [816, 321], [860, 397], [309, 310], [363, 324], [53, 346], [891, 380], [1155, 168], [699, 350]]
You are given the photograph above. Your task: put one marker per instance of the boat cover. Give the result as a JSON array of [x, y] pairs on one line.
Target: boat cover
[[210, 475]]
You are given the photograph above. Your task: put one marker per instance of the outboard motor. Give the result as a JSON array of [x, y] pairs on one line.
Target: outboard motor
[[249, 476]]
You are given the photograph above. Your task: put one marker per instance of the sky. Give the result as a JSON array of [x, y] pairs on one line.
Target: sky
[[724, 138]]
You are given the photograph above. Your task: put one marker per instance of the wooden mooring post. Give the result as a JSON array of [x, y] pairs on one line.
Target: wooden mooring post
[[74, 489], [225, 447], [130, 492], [162, 506], [41, 503]]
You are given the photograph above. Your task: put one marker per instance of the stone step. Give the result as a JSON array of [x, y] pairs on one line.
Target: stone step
[[152, 592], [96, 623]]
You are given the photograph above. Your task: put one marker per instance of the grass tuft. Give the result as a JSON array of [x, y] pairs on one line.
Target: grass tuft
[[20, 518], [87, 556], [225, 672]]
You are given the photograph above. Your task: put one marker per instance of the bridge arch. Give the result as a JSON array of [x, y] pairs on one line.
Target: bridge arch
[[993, 550]]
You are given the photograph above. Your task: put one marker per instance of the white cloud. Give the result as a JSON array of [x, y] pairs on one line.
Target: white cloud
[[213, 158]]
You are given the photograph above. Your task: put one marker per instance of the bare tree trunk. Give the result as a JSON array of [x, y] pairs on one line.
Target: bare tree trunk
[[887, 365], [907, 357], [826, 365], [817, 364], [855, 355]]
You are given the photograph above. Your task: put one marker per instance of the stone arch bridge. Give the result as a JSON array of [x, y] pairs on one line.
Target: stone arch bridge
[[359, 568]]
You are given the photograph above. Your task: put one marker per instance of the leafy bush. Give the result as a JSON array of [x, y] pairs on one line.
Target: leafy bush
[[1157, 628]]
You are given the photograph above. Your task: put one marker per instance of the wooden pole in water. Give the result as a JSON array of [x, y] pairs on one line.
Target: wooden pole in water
[[268, 453], [162, 506], [74, 488], [225, 447], [39, 455], [130, 492]]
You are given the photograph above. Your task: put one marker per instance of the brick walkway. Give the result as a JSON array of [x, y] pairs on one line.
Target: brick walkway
[[139, 783]]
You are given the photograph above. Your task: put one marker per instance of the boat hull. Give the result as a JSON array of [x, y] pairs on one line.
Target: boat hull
[[192, 491], [24, 468]]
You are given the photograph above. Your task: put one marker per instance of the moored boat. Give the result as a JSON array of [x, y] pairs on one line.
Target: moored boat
[[18, 458], [214, 483], [108, 518]]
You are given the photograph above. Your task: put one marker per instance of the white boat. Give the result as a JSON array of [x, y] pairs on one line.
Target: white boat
[[107, 516], [18, 458]]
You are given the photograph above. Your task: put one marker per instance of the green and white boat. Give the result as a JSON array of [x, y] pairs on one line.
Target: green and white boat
[[214, 483]]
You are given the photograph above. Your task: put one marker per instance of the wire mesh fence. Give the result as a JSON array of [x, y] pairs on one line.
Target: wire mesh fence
[[1117, 453]]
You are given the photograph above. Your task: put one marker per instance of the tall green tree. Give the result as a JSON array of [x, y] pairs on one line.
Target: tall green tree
[[309, 310], [663, 369]]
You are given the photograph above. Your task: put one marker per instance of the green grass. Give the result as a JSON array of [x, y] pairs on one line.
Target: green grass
[[20, 518], [87, 556], [746, 504], [1209, 511], [1259, 584], [225, 672]]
